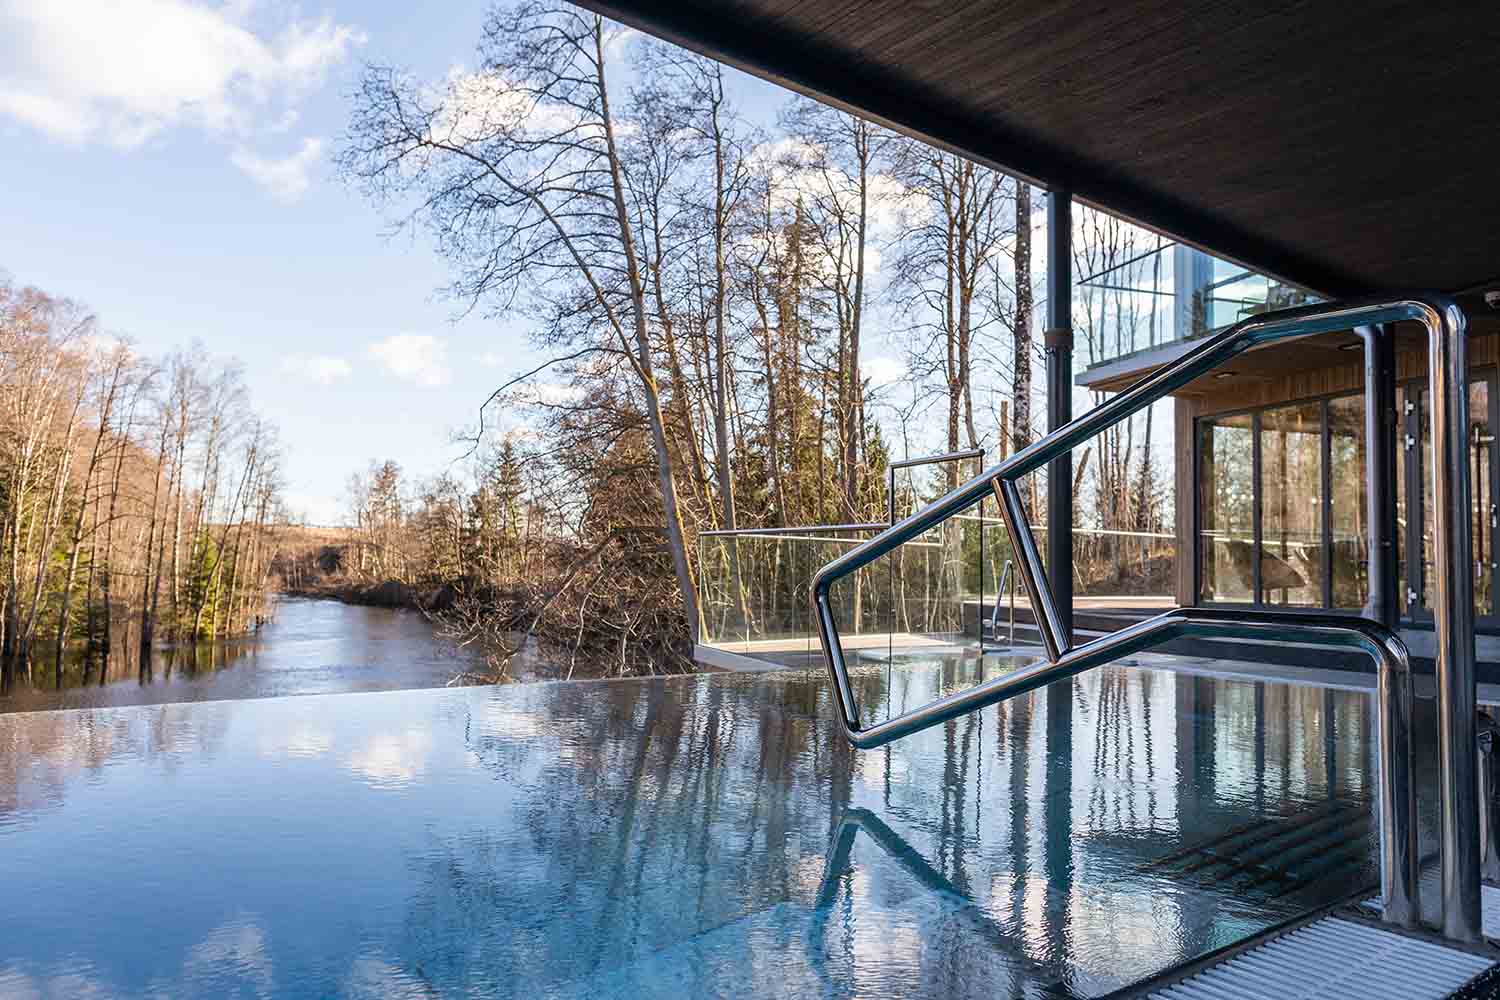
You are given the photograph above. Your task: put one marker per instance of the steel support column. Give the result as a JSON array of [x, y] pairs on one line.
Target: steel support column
[[1380, 454], [1059, 343]]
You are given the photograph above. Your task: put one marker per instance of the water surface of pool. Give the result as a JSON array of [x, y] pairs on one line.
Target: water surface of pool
[[694, 836]]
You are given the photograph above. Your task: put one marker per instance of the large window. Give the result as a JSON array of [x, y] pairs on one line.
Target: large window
[[1348, 510], [1282, 517], [1226, 455]]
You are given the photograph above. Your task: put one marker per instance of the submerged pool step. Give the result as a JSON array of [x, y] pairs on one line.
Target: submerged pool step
[[1281, 855], [1331, 958]]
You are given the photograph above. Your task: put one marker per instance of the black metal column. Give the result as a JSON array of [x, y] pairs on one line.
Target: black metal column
[[1380, 452], [1059, 343]]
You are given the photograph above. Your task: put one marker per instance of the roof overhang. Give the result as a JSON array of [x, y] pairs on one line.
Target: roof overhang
[[1346, 148]]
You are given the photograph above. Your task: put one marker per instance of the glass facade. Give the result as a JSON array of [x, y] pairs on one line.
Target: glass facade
[[1291, 505], [1281, 506], [1282, 515]]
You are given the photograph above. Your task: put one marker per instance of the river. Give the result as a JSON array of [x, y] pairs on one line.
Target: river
[[309, 647]]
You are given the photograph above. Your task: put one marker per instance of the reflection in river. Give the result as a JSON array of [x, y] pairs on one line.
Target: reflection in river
[[309, 647], [698, 836]]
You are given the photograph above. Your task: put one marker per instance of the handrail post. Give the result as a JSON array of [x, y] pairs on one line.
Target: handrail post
[[1400, 902], [1448, 392], [1007, 575]]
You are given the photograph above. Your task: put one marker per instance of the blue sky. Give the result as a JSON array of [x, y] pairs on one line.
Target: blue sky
[[167, 162]]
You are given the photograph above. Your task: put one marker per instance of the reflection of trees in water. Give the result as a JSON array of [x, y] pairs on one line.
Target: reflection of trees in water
[[652, 812], [125, 663], [648, 813]]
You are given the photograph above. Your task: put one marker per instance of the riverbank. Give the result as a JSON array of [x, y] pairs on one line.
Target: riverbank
[[386, 594]]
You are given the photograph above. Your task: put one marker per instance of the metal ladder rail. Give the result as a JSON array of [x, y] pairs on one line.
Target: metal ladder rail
[[1005, 575], [1447, 373]]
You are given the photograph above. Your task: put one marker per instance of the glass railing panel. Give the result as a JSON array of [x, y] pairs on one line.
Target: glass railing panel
[[754, 588], [1141, 292], [1124, 569]]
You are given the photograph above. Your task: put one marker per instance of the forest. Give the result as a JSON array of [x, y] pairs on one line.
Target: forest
[[705, 293], [137, 494]]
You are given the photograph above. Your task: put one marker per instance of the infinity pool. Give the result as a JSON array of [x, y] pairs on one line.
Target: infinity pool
[[693, 836]]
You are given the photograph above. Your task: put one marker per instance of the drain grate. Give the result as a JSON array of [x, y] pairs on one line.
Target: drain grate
[[1333, 957], [1280, 855]]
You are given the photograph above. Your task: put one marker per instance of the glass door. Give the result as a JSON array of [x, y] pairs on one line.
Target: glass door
[[1416, 534]]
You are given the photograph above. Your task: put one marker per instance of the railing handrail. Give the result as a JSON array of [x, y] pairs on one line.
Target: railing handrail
[[1448, 387], [726, 532]]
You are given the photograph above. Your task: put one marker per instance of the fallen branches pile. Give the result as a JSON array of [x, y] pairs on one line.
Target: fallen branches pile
[[613, 612]]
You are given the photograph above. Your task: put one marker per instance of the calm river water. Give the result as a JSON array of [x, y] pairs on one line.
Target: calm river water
[[310, 647]]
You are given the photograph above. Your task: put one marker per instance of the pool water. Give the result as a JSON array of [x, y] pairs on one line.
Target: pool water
[[691, 836]]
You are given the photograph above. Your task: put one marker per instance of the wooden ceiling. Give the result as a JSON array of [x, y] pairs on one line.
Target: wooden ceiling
[[1348, 147]]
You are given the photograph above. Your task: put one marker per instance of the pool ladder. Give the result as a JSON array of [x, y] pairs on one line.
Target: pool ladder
[[1458, 737], [1006, 574]]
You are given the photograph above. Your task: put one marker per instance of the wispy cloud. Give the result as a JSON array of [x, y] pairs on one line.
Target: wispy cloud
[[125, 71], [414, 357], [286, 179], [317, 368]]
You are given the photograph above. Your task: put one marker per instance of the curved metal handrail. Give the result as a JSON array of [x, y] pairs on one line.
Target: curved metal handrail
[[1447, 368], [1442, 317]]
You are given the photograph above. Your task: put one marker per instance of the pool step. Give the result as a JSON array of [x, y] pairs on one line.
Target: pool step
[[1281, 855], [1330, 958]]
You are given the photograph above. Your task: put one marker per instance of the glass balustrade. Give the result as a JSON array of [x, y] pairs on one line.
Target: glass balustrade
[[942, 589], [1167, 294]]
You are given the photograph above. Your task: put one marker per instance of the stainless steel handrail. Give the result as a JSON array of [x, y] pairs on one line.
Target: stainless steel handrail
[[803, 529], [1447, 373]]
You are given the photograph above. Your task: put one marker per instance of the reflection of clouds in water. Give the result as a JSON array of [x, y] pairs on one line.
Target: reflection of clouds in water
[[373, 978], [73, 979], [496, 718], [392, 760], [43, 753], [302, 740], [231, 961]]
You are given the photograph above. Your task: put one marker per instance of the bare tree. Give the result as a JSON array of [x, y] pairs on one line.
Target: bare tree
[[518, 171]]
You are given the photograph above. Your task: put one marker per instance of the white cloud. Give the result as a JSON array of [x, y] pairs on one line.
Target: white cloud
[[480, 104], [287, 178], [414, 357], [317, 368], [549, 393], [882, 370], [126, 70]]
